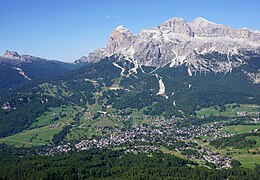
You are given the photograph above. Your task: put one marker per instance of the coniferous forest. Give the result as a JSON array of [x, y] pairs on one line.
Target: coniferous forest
[[108, 164]]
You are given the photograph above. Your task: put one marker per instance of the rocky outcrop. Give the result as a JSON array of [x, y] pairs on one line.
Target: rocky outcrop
[[6, 106], [200, 45], [177, 25], [254, 77], [15, 56], [93, 56], [12, 55]]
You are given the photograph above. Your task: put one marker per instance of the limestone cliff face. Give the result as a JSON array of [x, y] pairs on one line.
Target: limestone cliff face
[[201, 45], [120, 38], [177, 25], [94, 56]]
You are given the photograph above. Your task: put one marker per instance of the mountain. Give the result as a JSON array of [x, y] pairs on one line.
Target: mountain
[[117, 90], [17, 70], [184, 95], [202, 46], [172, 70], [114, 86]]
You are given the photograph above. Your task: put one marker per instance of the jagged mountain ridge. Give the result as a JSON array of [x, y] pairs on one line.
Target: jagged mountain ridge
[[15, 57], [177, 42]]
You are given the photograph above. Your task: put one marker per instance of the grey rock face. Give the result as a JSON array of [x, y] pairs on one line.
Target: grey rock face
[[177, 25], [6, 106], [94, 56], [12, 55], [200, 45], [120, 38], [254, 77]]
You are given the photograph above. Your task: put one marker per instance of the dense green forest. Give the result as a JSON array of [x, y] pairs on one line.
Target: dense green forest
[[108, 164], [238, 141], [24, 111], [36, 69]]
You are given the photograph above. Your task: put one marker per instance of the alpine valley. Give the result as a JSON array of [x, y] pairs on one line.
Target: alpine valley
[[179, 97]]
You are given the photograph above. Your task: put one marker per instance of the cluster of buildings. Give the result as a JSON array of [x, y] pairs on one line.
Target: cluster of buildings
[[255, 120], [218, 160], [141, 148], [149, 137], [55, 150]]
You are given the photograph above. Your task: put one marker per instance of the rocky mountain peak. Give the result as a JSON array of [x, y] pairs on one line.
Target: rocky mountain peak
[[121, 28], [178, 42], [202, 20], [175, 20], [177, 25], [120, 37], [12, 55]]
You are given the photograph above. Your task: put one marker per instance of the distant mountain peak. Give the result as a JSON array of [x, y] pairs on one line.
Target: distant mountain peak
[[12, 55], [201, 19], [120, 27], [176, 19], [120, 37]]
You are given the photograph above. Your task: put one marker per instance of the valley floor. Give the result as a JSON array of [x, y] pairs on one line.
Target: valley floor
[[69, 128]]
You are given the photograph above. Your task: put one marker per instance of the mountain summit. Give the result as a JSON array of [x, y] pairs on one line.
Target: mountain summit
[[11, 55], [178, 42]]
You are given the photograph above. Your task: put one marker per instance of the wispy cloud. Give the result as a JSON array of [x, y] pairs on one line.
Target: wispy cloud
[[111, 17]]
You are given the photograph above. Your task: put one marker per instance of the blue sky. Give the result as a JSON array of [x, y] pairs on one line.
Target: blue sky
[[68, 29]]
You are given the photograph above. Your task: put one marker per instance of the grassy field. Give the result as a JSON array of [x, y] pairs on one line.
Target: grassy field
[[39, 132], [54, 90], [96, 106], [64, 113], [137, 116], [104, 122], [240, 128], [257, 139], [208, 111], [33, 137], [178, 154], [80, 133], [175, 153], [248, 160], [231, 110]]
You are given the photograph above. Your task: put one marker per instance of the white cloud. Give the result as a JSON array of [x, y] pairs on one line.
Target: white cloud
[[111, 17]]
